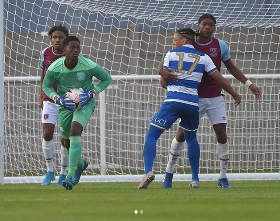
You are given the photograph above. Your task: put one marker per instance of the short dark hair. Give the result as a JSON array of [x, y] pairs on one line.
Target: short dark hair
[[59, 27], [70, 38], [187, 33], [207, 15]]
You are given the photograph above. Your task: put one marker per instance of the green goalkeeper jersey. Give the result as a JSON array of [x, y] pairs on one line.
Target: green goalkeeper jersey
[[79, 77]]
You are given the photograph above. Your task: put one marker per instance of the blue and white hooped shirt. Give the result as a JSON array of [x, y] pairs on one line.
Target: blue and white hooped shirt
[[188, 64]]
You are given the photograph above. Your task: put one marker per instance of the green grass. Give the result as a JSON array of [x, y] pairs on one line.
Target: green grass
[[248, 200]]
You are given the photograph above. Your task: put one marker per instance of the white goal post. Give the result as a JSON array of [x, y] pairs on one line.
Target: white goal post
[[129, 39]]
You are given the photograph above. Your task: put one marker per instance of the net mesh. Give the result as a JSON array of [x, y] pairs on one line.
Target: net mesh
[[129, 39]]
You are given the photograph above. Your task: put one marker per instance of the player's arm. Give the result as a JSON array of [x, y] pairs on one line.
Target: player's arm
[[166, 74], [41, 88], [42, 66], [241, 77], [215, 74], [162, 80], [48, 84], [104, 81], [226, 86]]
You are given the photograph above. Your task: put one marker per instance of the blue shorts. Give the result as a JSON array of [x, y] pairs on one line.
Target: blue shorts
[[169, 112]]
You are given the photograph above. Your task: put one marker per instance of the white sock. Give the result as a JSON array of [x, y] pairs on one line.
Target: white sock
[[223, 153], [48, 149], [224, 166], [64, 160], [175, 150]]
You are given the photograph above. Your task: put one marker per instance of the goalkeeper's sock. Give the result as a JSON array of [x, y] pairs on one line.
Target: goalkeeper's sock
[[175, 150], [81, 162], [48, 150], [193, 153], [149, 152], [75, 152], [64, 160]]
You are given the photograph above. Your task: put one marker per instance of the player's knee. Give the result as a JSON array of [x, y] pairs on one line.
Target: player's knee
[[65, 142], [180, 135], [47, 136], [222, 138]]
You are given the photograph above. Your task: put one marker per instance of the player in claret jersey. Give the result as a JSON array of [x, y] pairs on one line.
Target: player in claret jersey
[[74, 71], [49, 109], [210, 100]]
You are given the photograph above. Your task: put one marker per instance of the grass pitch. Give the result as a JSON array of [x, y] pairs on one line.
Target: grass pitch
[[247, 200]]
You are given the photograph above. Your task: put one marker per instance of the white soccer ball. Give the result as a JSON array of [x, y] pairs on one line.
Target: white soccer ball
[[73, 94]]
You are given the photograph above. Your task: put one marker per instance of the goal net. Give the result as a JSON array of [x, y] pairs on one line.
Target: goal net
[[129, 39]]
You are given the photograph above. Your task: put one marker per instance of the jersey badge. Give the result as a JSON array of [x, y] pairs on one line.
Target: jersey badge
[[213, 52], [46, 116], [81, 76]]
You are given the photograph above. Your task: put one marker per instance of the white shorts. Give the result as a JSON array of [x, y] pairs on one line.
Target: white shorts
[[49, 113], [215, 109]]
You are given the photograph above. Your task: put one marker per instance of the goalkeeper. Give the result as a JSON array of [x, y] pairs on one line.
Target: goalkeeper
[[74, 71]]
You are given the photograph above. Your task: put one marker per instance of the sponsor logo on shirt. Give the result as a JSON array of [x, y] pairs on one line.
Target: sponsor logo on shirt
[[213, 52], [81, 76]]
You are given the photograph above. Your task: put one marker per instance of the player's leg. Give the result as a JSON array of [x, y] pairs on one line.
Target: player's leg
[[218, 118], [149, 154], [77, 164], [49, 119], [65, 121], [64, 159], [177, 146], [162, 120], [189, 122], [193, 152], [223, 153], [82, 118]]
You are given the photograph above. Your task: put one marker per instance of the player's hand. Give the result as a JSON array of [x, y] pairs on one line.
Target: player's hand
[[86, 97], [237, 99], [256, 91], [168, 75], [67, 104]]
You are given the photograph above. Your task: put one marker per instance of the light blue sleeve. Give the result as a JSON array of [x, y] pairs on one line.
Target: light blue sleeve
[[225, 53], [42, 64]]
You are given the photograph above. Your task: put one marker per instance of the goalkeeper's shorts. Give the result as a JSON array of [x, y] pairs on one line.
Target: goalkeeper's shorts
[[81, 115]]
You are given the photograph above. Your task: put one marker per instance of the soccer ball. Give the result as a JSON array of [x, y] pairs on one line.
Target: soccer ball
[[73, 94]]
